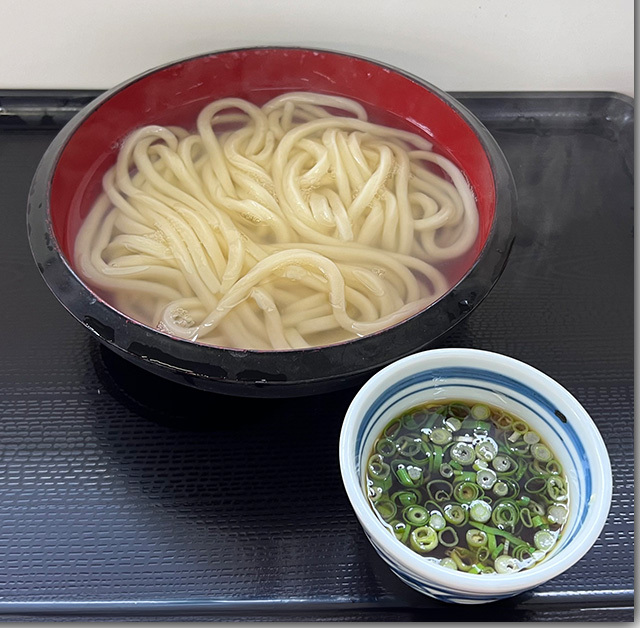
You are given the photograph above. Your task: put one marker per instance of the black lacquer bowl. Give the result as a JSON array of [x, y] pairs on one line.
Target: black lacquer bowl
[[69, 176]]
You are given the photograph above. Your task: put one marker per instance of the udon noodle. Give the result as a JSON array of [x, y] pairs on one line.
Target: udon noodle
[[295, 224]]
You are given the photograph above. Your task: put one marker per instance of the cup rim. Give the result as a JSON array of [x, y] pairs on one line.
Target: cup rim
[[406, 558]]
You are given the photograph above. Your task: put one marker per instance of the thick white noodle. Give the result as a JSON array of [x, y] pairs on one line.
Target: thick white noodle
[[296, 224]]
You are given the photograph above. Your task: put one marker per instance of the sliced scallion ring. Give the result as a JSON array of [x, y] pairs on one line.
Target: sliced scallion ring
[[506, 564], [531, 438], [501, 463], [480, 412], [440, 436], [453, 423], [437, 521], [386, 509], [463, 453], [544, 540], [541, 452], [486, 478], [416, 515], [480, 510], [557, 514], [486, 449], [500, 489], [476, 538], [424, 539]]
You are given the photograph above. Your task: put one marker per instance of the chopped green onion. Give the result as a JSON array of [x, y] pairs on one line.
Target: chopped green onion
[[480, 511], [523, 553], [408, 446], [464, 476], [414, 420], [482, 554], [453, 539], [519, 448], [557, 514], [455, 514], [386, 509], [536, 508], [415, 515], [503, 420], [466, 492], [393, 429], [525, 518], [506, 564], [440, 436], [443, 490], [475, 426], [531, 438], [431, 506], [437, 456], [406, 498], [513, 488], [437, 521], [553, 467], [452, 423], [500, 489], [476, 538], [480, 411], [541, 452], [480, 464], [446, 470], [522, 469], [459, 410], [556, 488], [487, 449], [505, 513], [386, 447], [544, 540], [449, 563], [463, 558], [486, 478], [502, 463], [373, 492], [539, 522], [497, 551], [498, 532], [401, 530], [536, 484], [424, 539], [462, 453], [402, 474], [378, 469]]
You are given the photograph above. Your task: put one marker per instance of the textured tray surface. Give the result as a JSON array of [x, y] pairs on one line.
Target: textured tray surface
[[121, 493]]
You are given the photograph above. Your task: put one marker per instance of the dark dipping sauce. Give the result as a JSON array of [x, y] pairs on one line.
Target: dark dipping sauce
[[469, 486]]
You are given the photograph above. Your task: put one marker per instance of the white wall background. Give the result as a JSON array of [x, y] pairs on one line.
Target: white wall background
[[475, 45]]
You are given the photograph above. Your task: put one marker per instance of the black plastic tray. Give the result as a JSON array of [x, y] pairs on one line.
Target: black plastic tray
[[123, 496]]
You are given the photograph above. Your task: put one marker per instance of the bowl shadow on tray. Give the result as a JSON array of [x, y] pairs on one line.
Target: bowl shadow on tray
[[224, 480], [184, 408], [210, 474]]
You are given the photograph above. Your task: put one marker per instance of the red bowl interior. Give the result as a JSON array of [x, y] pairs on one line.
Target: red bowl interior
[[176, 93]]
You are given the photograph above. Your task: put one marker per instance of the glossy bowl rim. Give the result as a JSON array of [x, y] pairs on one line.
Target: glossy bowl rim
[[339, 361], [455, 581]]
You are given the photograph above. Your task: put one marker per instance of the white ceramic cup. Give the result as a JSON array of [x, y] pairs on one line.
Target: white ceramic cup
[[518, 388]]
